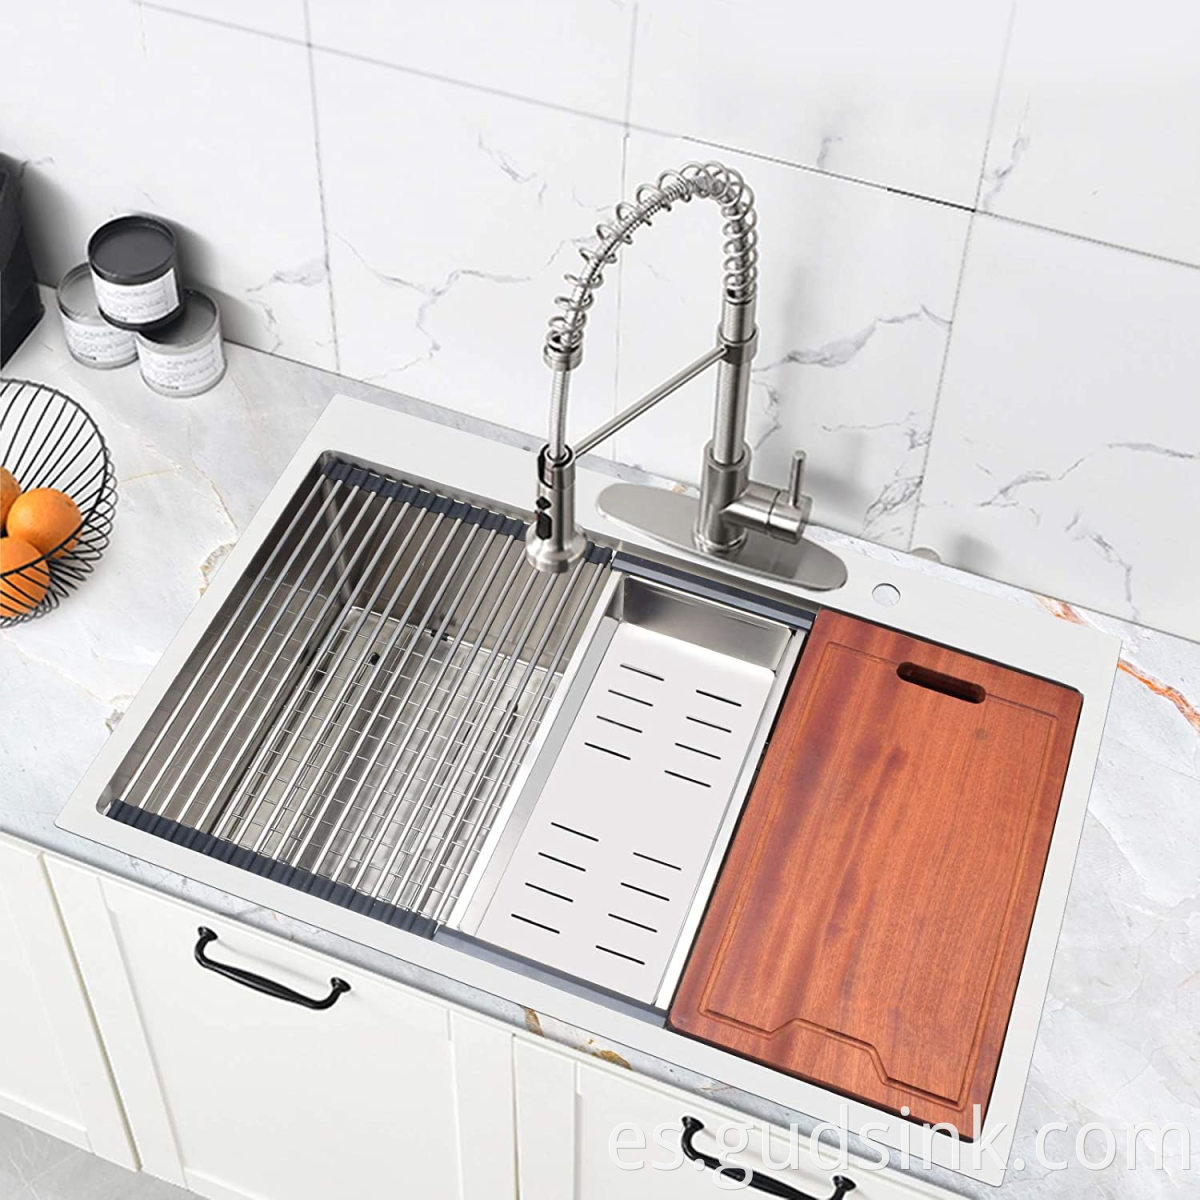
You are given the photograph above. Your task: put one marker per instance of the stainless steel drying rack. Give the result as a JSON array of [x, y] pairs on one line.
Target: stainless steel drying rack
[[355, 715]]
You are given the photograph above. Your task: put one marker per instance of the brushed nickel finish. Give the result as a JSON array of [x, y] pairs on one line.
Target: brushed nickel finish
[[733, 509]]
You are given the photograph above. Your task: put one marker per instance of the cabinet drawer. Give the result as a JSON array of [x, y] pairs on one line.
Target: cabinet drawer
[[591, 1132], [236, 1087]]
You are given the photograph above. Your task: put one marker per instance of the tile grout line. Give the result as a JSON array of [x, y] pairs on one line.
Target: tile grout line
[[207, 20], [633, 127], [355, 56], [624, 183], [937, 395], [995, 110], [1091, 241], [316, 126], [962, 274], [569, 110]]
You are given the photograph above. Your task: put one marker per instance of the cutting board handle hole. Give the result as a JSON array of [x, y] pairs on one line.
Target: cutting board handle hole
[[935, 681]]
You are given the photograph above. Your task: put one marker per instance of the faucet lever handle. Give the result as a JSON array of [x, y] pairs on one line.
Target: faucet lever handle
[[796, 480]]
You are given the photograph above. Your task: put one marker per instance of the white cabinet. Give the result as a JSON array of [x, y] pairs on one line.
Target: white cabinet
[[233, 1087], [588, 1131], [240, 1094], [53, 1074]]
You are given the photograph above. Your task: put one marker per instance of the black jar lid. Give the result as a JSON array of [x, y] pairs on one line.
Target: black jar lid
[[133, 249]]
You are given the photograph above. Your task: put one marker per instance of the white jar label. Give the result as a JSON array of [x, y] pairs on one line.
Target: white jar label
[[138, 303], [99, 345], [183, 374]]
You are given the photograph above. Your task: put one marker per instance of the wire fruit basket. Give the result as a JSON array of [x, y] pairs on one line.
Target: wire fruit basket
[[48, 441]]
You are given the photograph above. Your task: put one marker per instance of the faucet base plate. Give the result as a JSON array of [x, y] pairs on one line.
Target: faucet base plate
[[670, 517]]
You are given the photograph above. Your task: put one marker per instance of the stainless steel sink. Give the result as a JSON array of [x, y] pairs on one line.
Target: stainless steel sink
[[395, 712], [356, 728], [353, 717]]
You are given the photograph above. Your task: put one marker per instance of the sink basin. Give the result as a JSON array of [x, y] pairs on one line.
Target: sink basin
[[352, 718], [373, 717]]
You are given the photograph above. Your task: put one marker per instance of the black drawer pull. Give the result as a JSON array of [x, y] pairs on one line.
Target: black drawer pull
[[260, 984], [764, 1183]]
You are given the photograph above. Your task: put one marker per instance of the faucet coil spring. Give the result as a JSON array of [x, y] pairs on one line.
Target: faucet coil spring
[[710, 180]]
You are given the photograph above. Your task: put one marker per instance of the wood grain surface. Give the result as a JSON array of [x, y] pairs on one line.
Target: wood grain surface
[[869, 923]]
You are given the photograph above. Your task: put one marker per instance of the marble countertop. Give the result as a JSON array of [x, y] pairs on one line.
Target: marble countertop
[[1119, 1042]]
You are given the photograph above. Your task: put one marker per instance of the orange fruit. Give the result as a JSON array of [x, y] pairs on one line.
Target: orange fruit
[[21, 593], [45, 518], [10, 489]]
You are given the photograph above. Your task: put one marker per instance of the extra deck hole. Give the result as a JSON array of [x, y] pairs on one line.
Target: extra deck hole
[[887, 595]]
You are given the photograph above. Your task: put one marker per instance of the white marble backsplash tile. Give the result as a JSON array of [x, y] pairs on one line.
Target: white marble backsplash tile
[[569, 55], [856, 288], [897, 94], [281, 18], [116, 107], [1066, 452], [395, 190], [452, 215], [1095, 129]]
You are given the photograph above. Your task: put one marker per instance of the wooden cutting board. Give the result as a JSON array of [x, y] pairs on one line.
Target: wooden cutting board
[[868, 926]]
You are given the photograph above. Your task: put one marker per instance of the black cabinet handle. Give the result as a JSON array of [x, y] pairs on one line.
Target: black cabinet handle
[[259, 983], [754, 1179]]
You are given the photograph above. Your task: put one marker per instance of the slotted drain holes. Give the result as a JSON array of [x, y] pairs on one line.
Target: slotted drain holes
[[647, 674], [604, 874], [628, 952]]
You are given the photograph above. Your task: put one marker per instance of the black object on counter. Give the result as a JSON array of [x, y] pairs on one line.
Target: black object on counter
[[20, 301], [49, 440], [133, 269]]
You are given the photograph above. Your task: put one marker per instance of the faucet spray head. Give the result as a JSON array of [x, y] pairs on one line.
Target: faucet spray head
[[554, 541]]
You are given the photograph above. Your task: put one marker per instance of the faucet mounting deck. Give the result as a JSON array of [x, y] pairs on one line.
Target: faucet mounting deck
[[731, 507]]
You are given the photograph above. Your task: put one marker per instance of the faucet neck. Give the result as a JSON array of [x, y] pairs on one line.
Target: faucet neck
[[730, 504], [553, 541], [563, 350]]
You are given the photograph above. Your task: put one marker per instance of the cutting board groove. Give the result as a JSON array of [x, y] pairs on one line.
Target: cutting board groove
[[869, 923]]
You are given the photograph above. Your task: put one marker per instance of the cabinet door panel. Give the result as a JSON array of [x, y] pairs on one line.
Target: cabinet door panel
[[545, 1083], [52, 1069], [587, 1131], [239, 1094], [487, 1143]]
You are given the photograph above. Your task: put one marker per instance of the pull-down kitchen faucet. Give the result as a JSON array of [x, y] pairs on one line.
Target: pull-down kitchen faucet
[[731, 505]]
